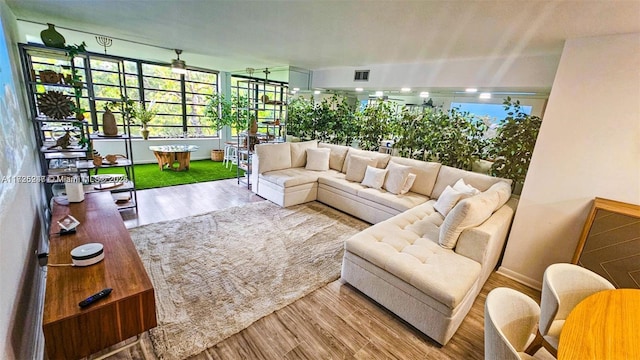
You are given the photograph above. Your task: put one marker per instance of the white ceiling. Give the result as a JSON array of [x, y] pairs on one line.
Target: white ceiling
[[316, 34]]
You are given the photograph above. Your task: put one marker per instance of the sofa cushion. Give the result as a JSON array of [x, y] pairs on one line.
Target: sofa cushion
[[299, 152], [447, 200], [426, 173], [398, 202], [394, 246], [468, 213], [290, 177], [358, 166], [339, 182], [318, 159], [449, 175], [274, 156], [383, 159], [338, 155], [396, 177], [374, 177]]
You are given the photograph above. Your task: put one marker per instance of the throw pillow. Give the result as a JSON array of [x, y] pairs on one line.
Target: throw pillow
[[358, 166], [299, 152], [468, 213], [447, 200], [465, 190], [409, 183], [504, 192], [374, 177], [318, 159], [396, 177]]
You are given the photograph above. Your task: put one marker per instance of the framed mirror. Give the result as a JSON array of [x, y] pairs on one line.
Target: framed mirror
[[610, 242]]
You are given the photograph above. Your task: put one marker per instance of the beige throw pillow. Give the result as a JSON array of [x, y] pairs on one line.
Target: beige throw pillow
[[447, 200], [358, 166], [318, 159], [374, 177], [396, 177], [299, 152], [274, 156], [468, 213]]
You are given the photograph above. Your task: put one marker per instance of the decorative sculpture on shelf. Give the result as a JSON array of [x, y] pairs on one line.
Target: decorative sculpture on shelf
[[63, 142], [55, 104]]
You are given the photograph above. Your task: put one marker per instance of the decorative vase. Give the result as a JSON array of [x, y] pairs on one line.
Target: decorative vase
[[254, 128], [79, 116], [51, 37], [144, 132], [109, 126]]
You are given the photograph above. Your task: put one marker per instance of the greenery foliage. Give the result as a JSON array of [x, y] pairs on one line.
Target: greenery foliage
[[453, 138], [333, 120], [513, 146]]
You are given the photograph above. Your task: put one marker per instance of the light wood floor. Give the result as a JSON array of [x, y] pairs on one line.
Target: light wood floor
[[335, 321]]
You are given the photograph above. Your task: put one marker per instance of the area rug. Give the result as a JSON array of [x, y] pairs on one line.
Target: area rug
[[217, 273]]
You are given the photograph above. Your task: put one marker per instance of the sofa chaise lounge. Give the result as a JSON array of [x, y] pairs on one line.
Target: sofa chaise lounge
[[438, 231]]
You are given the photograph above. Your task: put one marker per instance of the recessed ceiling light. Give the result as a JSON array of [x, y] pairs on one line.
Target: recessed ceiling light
[[485, 96], [293, 92], [424, 94], [359, 89], [471, 90], [317, 92], [296, 89], [379, 93], [405, 89]]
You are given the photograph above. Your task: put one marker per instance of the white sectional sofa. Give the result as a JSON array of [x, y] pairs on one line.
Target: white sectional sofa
[[434, 241]]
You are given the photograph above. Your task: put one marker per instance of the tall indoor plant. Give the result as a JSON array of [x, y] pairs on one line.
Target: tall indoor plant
[[514, 143], [221, 112]]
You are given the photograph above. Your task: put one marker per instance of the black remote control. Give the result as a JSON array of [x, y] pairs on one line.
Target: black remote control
[[95, 297]]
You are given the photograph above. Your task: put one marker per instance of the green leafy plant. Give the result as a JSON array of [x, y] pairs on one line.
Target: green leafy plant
[[514, 143], [300, 118], [76, 81], [375, 124], [221, 112], [146, 114]]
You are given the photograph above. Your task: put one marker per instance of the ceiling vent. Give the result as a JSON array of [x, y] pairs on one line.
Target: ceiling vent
[[361, 75]]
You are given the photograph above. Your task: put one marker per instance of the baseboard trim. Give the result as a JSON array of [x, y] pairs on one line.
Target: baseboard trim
[[520, 278]]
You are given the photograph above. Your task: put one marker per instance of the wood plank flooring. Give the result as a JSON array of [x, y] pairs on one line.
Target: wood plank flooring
[[333, 322]]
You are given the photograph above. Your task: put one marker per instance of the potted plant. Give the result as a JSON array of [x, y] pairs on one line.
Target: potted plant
[[145, 115], [219, 111]]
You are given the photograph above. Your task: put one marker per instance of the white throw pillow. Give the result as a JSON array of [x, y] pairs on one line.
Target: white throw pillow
[[358, 166], [318, 159], [465, 190], [299, 152], [396, 177], [447, 200], [468, 213], [409, 183], [374, 177]]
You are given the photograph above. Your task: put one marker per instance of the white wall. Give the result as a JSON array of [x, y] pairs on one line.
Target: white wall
[[535, 72], [589, 145], [20, 205]]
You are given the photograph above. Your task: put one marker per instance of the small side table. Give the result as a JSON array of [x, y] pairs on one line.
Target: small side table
[[167, 155]]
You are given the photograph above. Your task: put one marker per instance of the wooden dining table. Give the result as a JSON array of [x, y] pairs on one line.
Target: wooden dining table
[[605, 325]]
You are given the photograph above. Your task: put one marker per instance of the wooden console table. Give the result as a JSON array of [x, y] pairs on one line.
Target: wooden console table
[[169, 154], [72, 332]]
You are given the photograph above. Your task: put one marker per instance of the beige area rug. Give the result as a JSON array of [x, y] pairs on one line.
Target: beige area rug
[[217, 273]]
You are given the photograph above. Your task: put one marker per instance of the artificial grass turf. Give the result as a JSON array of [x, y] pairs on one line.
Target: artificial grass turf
[[149, 176]]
